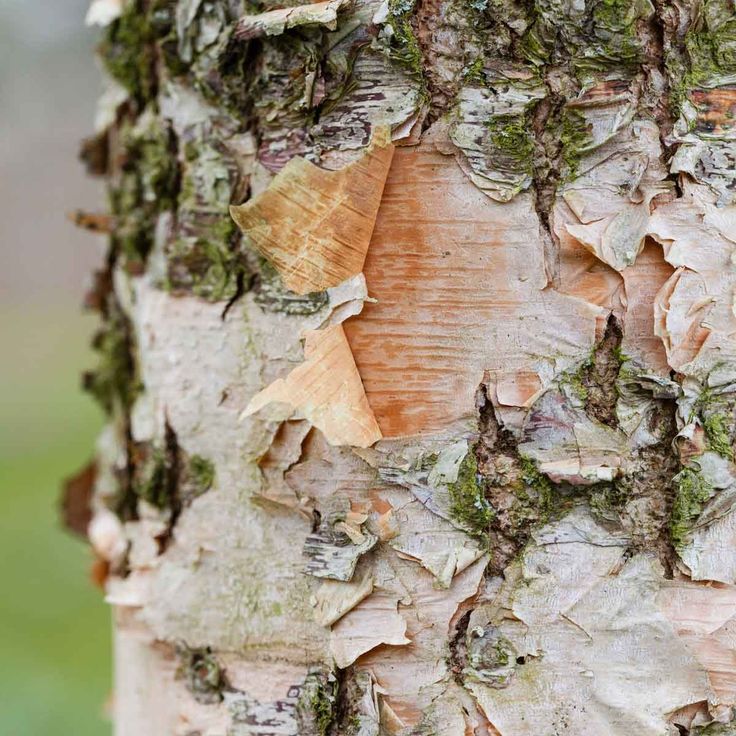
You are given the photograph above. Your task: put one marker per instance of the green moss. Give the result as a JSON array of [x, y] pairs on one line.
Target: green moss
[[491, 657], [322, 708], [146, 185], [404, 46], [531, 476], [614, 28], [128, 48], [574, 136], [212, 267], [166, 478], [126, 53], [206, 257], [216, 275], [600, 37], [710, 53], [714, 412], [114, 382], [711, 43], [534, 46], [718, 434], [574, 381], [502, 652], [468, 503], [153, 479], [607, 498], [156, 162], [202, 473], [474, 72], [691, 493], [512, 138], [316, 706]]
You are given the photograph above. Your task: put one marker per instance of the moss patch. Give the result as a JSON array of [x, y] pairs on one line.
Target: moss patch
[[596, 37], [211, 269], [206, 257], [128, 47], [114, 382], [692, 491], [154, 476], [202, 472], [709, 53], [166, 477], [145, 186], [718, 434], [608, 498], [404, 46], [543, 488], [574, 136], [468, 503], [316, 708], [512, 138], [711, 43]]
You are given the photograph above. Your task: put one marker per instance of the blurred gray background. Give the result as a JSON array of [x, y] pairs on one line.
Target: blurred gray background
[[54, 627]]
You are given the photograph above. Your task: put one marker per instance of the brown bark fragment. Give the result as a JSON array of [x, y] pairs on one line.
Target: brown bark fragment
[[92, 221], [315, 225], [716, 109], [76, 509]]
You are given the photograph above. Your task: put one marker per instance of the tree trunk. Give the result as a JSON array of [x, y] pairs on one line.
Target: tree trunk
[[431, 433]]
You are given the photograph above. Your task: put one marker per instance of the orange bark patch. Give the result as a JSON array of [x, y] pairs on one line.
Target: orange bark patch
[[314, 225], [461, 289], [642, 282]]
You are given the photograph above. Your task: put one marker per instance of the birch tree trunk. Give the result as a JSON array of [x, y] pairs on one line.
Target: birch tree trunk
[[432, 431]]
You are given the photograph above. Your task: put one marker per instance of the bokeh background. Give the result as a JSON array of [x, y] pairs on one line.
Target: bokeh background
[[54, 626]]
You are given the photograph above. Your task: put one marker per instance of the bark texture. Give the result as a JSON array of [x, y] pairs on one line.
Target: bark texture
[[417, 346]]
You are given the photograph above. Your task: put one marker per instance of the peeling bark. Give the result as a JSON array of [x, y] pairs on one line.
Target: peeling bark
[[435, 434]]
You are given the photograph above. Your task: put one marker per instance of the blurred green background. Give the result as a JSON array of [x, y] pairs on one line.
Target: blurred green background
[[54, 625]]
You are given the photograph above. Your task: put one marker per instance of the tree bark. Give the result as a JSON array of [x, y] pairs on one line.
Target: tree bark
[[417, 348]]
